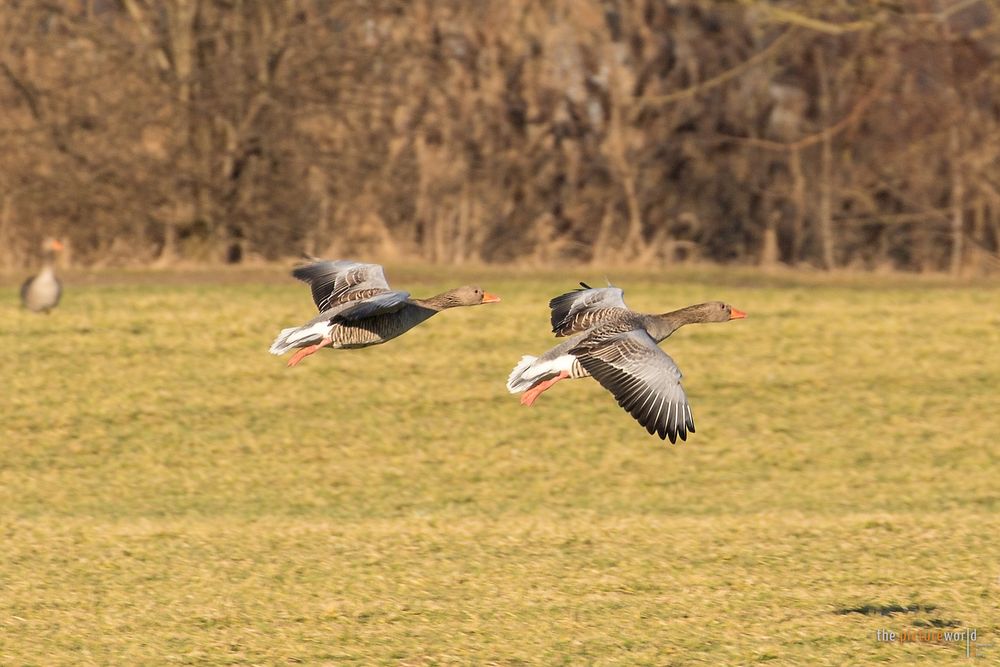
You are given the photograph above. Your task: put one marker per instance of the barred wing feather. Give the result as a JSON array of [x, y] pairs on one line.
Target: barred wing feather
[[645, 381], [342, 281], [584, 308], [380, 304]]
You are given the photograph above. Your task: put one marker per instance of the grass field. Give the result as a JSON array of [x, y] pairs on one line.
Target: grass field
[[172, 494]]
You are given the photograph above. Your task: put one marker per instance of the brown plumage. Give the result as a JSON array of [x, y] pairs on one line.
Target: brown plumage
[[359, 309], [619, 348]]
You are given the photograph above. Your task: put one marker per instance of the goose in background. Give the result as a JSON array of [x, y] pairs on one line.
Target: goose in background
[[40, 293], [359, 309], [619, 348]]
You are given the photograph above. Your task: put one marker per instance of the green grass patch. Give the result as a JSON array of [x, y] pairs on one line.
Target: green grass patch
[[172, 494]]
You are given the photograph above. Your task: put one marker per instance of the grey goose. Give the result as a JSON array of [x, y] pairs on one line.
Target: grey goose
[[619, 348], [41, 293], [357, 308]]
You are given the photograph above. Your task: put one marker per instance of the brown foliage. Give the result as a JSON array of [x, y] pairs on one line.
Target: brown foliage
[[822, 133]]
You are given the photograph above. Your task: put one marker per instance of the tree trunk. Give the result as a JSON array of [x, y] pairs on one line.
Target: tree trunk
[[799, 201], [6, 237], [825, 212], [599, 251], [617, 146], [957, 201], [181, 16], [769, 245]]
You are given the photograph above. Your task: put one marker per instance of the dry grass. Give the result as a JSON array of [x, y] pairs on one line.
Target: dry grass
[[169, 493]]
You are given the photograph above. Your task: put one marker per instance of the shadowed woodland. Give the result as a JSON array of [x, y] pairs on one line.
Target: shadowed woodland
[[825, 134]]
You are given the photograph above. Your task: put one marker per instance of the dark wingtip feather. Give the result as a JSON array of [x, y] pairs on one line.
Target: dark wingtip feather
[[585, 285], [559, 317], [305, 272]]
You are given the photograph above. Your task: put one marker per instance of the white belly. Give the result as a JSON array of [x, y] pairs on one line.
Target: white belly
[[43, 292]]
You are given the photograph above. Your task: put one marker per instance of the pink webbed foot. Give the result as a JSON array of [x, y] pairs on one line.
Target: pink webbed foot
[[529, 397], [306, 351]]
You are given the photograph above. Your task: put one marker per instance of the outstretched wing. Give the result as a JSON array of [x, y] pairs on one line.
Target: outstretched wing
[[646, 382], [342, 281], [584, 308], [380, 304]]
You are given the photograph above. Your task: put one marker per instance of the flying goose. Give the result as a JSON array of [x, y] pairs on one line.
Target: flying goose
[[40, 293], [619, 348], [359, 309]]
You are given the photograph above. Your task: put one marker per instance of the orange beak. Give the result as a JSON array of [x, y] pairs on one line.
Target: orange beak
[[490, 298], [736, 314], [56, 245]]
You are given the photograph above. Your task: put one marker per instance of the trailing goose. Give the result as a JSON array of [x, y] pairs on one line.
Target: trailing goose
[[40, 293], [619, 348], [359, 309]]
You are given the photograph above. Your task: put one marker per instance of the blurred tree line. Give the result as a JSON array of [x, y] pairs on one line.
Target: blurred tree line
[[825, 133]]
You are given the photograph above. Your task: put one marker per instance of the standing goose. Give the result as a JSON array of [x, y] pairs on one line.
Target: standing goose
[[41, 293], [619, 348], [358, 308]]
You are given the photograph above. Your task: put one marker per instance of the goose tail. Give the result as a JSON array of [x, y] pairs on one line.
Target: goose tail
[[521, 378], [298, 337]]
